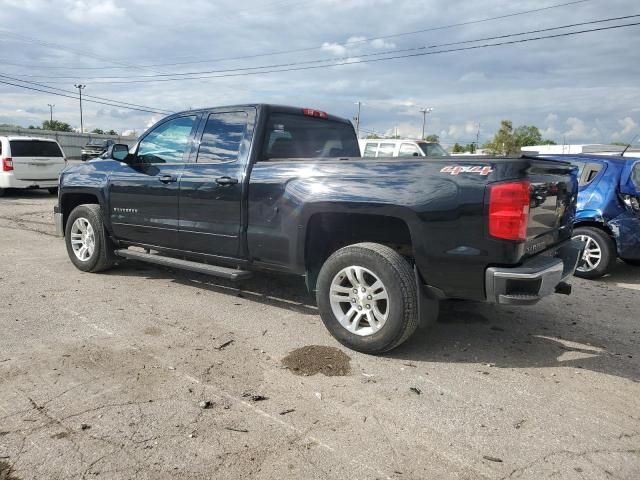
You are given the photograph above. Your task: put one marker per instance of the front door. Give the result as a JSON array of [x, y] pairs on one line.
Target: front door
[[211, 186], [144, 191]]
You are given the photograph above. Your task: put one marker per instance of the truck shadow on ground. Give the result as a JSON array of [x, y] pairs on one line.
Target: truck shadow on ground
[[539, 336]]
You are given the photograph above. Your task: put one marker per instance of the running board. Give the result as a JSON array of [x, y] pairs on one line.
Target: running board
[[214, 270]]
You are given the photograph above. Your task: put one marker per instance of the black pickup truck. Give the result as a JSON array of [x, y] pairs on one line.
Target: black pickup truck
[[232, 190]]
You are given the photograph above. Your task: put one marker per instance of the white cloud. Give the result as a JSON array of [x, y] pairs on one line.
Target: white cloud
[[380, 43], [551, 118], [579, 130], [94, 12], [334, 48]]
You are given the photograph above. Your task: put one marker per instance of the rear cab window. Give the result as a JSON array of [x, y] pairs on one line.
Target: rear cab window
[[370, 149], [34, 148], [296, 136], [386, 149]]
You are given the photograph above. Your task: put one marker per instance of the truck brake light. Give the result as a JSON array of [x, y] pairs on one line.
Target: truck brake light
[[310, 112], [7, 164], [509, 210]]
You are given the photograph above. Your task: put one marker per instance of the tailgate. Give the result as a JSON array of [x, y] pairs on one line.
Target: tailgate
[[552, 205], [36, 160]]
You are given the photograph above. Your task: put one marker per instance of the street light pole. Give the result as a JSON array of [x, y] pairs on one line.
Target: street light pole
[[357, 119], [424, 112], [80, 87], [51, 112]]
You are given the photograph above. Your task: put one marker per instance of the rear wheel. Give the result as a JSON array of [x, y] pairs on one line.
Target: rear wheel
[[88, 244], [599, 252], [367, 297]]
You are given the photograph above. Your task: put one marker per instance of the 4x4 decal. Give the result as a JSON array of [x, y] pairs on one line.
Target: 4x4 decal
[[458, 169]]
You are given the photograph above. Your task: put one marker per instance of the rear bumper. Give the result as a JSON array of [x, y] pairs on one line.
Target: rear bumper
[[535, 278], [9, 180]]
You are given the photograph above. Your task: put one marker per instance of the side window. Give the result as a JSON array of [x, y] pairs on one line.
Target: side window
[[370, 150], [409, 150], [167, 142], [635, 175], [386, 149], [222, 136]]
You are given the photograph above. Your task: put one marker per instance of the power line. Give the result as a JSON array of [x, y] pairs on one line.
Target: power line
[[73, 97], [297, 50], [334, 59], [372, 60], [124, 104]]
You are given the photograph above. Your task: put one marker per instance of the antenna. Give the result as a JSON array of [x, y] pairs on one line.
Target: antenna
[[629, 145]]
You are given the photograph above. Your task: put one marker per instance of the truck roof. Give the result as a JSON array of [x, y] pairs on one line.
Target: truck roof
[[269, 107]]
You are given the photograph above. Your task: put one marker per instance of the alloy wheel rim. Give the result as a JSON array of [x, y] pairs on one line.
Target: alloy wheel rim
[[83, 240], [359, 300], [591, 256]]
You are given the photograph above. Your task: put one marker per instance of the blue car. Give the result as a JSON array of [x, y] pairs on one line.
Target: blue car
[[608, 212]]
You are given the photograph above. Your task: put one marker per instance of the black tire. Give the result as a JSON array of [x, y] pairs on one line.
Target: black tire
[[607, 249], [2, 192], [53, 190], [632, 261], [103, 256], [399, 282]]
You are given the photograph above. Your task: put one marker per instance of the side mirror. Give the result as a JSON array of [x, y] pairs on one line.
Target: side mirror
[[119, 152]]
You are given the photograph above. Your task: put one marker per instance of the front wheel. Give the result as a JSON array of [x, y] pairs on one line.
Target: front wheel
[[367, 297], [599, 252], [88, 244], [53, 190]]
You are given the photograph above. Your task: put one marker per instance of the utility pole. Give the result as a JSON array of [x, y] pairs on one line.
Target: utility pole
[[357, 119], [51, 112], [80, 87], [424, 112], [477, 137]]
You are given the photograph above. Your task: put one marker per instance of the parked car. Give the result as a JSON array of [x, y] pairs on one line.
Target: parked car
[[400, 148], [30, 162], [608, 211], [95, 147], [232, 190]]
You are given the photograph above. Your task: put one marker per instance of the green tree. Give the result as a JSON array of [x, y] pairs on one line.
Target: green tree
[[373, 136], [112, 132], [457, 148], [503, 142], [432, 138], [56, 125], [99, 131]]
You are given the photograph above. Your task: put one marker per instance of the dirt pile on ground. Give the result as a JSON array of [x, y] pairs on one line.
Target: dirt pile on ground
[[6, 472], [313, 359]]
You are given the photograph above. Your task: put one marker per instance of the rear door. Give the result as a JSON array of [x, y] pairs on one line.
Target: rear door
[[36, 160], [144, 192], [212, 184]]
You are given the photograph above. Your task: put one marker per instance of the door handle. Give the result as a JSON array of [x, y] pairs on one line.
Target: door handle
[[167, 178], [226, 181]]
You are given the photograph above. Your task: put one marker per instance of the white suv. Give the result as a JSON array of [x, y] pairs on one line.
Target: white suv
[[400, 148], [30, 162]]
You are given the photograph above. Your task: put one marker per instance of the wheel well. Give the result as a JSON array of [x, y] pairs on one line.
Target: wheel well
[[594, 224], [71, 201], [328, 232]]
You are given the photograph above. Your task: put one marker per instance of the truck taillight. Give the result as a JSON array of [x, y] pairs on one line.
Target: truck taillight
[[631, 202], [509, 210], [7, 164], [310, 112]]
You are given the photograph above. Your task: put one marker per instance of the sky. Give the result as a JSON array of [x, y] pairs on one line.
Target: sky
[[576, 89]]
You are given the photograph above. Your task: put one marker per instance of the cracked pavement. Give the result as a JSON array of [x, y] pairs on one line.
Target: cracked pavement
[[101, 376]]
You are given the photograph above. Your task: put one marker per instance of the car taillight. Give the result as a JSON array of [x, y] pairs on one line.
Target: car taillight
[[509, 210], [7, 164], [310, 112], [631, 202]]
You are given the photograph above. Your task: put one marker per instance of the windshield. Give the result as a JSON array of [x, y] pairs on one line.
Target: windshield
[[433, 150]]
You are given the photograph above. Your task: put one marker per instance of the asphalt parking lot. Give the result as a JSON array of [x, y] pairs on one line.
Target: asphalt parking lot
[[102, 376]]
